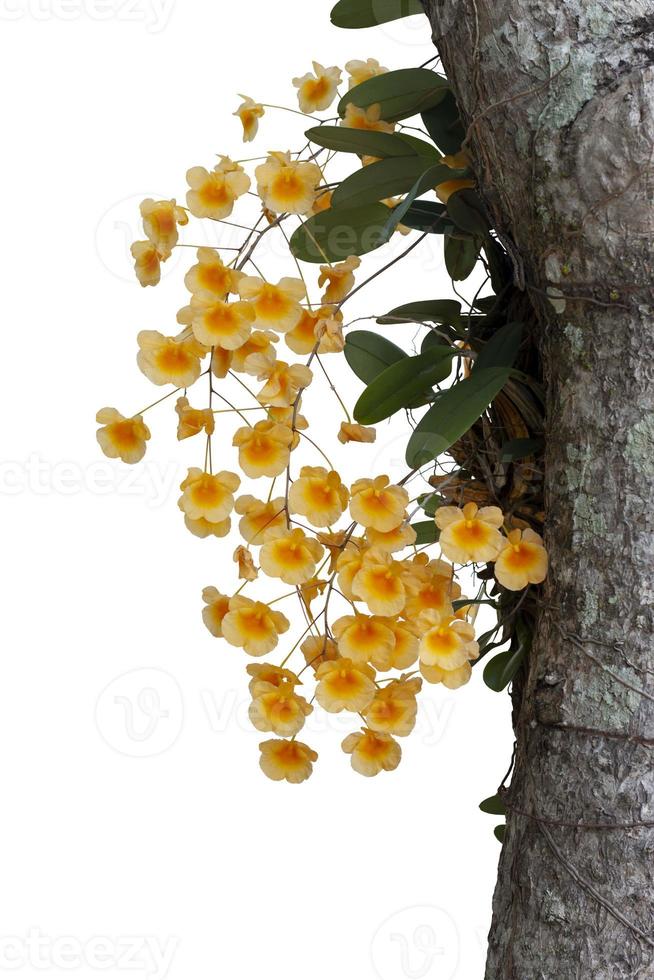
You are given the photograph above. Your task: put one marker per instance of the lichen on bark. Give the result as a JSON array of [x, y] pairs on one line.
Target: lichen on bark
[[558, 96]]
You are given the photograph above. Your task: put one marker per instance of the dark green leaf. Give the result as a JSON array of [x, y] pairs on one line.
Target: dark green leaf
[[402, 384], [502, 348], [485, 303], [426, 181], [368, 354], [494, 805], [394, 175], [486, 644], [444, 125], [428, 310], [500, 831], [453, 413], [460, 257], [467, 211], [500, 671], [334, 234], [429, 502], [368, 143], [499, 266], [369, 13], [428, 216], [433, 338], [519, 448], [399, 93], [426, 532]]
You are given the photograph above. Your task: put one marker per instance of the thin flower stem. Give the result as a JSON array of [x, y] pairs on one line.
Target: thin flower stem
[[243, 385], [333, 388], [383, 269], [299, 267], [225, 248], [324, 455], [279, 598], [158, 402], [220, 411], [233, 408], [285, 108], [296, 645]]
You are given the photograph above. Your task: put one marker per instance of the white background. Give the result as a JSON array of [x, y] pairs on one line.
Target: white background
[[135, 821]]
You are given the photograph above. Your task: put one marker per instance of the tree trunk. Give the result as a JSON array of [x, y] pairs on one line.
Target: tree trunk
[[558, 95]]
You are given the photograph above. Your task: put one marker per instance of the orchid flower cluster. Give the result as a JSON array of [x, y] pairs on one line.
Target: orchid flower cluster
[[378, 615]]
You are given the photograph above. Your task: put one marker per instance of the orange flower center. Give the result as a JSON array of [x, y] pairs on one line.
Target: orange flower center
[[214, 277], [289, 553], [207, 492], [123, 434], [271, 302], [443, 640], [255, 624], [372, 747], [164, 222], [214, 192], [344, 681], [287, 186], [173, 358], [317, 89], [520, 556], [383, 581], [261, 449], [469, 533]]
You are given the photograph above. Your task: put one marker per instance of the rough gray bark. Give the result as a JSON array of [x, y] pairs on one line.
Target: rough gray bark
[[559, 97]]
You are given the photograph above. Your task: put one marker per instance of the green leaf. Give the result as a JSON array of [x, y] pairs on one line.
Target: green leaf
[[368, 143], [368, 354], [380, 180], [433, 339], [428, 216], [453, 413], [334, 234], [499, 265], [426, 532], [486, 303], [467, 211], [369, 13], [426, 181], [494, 805], [502, 348], [500, 831], [401, 384], [444, 125], [460, 257], [462, 603], [399, 94], [519, 448], [430, 502], [501, 669], [430, 310]]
